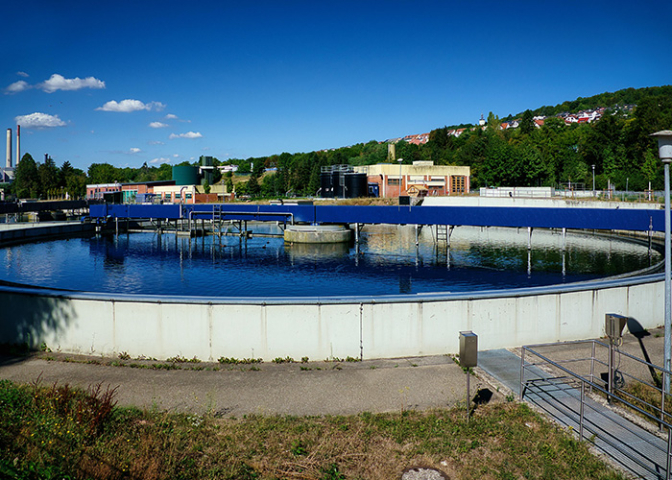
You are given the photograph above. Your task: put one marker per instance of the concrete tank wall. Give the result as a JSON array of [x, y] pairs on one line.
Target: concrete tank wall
[[366, 327]]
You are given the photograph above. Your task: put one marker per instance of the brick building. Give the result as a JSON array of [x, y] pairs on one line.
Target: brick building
[[394, 179]]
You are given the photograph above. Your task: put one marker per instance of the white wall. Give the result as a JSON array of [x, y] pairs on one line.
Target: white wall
[[384, 327], [472, 201]]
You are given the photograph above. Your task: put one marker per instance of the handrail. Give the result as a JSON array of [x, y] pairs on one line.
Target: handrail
[[592, 383], [243, 214], [621, 447]]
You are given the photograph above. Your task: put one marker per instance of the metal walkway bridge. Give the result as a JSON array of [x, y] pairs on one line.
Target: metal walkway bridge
[[572, 218]]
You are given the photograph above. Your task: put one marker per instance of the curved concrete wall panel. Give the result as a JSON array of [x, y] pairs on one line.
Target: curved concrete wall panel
[[396, 326]]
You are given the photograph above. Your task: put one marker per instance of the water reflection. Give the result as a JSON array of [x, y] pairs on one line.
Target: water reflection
[[387, 261]]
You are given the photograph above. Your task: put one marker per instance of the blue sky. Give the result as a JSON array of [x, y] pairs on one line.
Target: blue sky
[[134, 82]]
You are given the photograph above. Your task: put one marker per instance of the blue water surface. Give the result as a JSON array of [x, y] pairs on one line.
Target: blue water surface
[[386, 262]]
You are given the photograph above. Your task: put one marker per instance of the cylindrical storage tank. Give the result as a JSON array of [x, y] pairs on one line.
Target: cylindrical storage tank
[[325, 185], [336, 184], [356, 185], [207, 177], [185, 175]]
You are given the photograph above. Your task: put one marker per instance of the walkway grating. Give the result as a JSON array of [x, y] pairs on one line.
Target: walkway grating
[[638, 451]]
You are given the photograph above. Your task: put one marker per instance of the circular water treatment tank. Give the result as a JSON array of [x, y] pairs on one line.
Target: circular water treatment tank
[[185, 175]]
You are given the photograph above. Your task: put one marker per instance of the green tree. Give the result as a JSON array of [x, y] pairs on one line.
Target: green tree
[[650, 168], [244, 167], [75, 184], [65, 171], [527, 123], [49, 177], [253, 187], [26, 178], [228, 181], [102, 173], [493, 122], [314, 182]]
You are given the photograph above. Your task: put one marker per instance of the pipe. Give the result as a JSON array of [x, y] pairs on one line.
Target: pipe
[[18, 145]]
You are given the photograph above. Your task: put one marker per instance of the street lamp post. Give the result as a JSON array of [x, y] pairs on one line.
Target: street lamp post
[[399, 160], [593, 180], [665, 153]]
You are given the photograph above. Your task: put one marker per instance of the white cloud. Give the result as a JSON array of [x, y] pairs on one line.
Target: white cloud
[[185, 135], [160, 160], [129, 105], [155, 142], [135, 150], [158, 125], [39, 120], [17, 87], [170, 116], [58, 82], [175, 155], [22, 74]]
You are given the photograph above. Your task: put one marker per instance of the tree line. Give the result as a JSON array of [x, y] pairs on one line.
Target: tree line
[[617, 149]]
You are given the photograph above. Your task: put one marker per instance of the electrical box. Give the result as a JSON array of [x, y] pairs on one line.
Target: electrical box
[[614, 325], [468, 349]]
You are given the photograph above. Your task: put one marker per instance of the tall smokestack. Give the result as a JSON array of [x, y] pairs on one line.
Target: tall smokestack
[[9, 148], [18, 145]]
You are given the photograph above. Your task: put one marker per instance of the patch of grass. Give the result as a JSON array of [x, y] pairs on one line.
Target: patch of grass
[[179, 359], [283, 360], [646, 397], [239, 361], [63, 432]]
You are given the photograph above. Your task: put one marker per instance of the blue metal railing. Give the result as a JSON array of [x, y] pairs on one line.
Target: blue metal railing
[[574, 218]]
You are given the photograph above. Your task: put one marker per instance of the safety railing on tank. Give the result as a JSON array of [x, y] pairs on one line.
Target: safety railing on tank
[[572, 384]]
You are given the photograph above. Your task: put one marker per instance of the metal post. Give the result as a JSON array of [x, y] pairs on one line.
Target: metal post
[[593, 180], [665, 153], [583, 394], [592, 366], [669, 451], [668, 272], [529, 238], [610, 384], [522, 371], [468, 385], [662, 402]]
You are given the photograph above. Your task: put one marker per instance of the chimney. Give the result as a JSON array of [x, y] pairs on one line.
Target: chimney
[[18, 145], [9, 148]]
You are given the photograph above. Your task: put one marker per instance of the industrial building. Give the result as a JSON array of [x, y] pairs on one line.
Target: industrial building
[[185, 187], [419, 179]]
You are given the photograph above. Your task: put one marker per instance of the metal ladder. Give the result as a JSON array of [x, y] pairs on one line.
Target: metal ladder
[[442, 233]]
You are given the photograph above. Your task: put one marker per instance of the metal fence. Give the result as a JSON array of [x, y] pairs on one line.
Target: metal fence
[[578, 390]]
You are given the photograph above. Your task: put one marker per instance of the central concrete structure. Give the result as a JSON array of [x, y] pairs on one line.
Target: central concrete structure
[[317, 234]]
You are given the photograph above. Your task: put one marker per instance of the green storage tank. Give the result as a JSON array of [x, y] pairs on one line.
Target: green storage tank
[[185, 175]]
